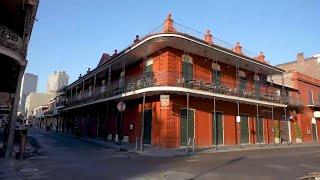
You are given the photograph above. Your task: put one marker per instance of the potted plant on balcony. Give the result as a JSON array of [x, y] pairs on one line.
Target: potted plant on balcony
[[298, 133], [277, 132]]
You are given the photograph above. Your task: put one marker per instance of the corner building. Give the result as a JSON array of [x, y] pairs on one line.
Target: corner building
[[180, 90]]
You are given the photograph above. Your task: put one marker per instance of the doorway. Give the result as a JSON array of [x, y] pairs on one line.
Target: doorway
[[147, 126], [259, 130], [244, 130], [314, 132], [217, 136], [186, 126]]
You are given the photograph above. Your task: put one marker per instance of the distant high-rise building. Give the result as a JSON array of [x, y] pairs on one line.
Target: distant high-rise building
[[28, 85], [56, 81]]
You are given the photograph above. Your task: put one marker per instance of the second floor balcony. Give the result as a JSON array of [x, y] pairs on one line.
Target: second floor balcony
[[12, 41], [237, 88]]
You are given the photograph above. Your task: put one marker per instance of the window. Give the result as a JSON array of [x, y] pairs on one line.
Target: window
[[121, 79], [257, 85], [216, 74], [187, 68], [148, 67], [242, 81], [311, 97]]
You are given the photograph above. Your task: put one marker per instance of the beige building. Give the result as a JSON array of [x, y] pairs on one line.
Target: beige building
[[56, 81], [35, 100], [310, 65]]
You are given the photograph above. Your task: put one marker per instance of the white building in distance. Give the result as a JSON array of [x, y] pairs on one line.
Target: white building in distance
[[56, 81], [28, 85]]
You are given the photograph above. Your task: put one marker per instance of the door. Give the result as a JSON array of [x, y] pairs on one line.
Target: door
[[186, 127], [314, 132], [217, 136], [284, 131], [147, 126], [259, 130], [244, 131]]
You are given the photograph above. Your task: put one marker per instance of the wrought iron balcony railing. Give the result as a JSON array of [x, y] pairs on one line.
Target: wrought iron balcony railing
[[174, 79], [11, 40]]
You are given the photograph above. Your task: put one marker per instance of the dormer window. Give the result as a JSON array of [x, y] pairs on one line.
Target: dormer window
[[187, 68]]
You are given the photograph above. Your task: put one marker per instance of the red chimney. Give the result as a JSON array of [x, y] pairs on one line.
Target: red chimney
[[208, 37], [168, 25], [237, 48], [261, 57]]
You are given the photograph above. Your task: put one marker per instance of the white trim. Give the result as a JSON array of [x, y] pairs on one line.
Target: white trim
[[162, 89], [242, 74], [215, 66], [194, 124], [289, 131], [222, 127], [148, 62], [256, 77], [203, 44], [156, 36], [249, 133], [187, 59]]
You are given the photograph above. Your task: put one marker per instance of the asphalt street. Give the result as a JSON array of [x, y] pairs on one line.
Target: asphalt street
[[64, 157]]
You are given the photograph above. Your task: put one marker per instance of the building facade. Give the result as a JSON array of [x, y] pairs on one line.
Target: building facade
[[308, 113], [180, 90], [28, 84], [56, 81], [309, 66], [16, 24], [35, 100]]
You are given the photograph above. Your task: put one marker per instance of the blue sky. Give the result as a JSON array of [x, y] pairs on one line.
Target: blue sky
[[71, 35]]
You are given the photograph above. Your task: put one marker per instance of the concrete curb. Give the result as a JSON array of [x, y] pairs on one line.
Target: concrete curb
[[151, 152]]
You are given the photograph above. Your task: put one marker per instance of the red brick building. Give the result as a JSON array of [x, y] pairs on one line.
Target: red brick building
[[179, 89], [307, 116]]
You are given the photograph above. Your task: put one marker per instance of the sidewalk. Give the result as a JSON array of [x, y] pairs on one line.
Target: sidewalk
[[163, 152], [7, 170]]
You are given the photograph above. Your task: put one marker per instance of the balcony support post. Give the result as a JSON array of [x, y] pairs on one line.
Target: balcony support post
[[258, 125], [94, 81], [215, 123], [188, 121], [282, 87], [109, 76], [272, 119], [238, 123], [142, 122]]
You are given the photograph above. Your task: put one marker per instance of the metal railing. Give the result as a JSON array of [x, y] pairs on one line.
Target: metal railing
[[12, 41], [263, 92]]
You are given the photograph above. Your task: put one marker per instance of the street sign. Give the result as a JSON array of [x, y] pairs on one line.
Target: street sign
[[121, 106]]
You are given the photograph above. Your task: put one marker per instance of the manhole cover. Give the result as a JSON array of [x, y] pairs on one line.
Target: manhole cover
[[28, 170]]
